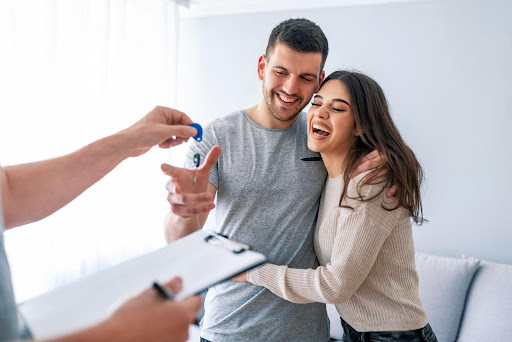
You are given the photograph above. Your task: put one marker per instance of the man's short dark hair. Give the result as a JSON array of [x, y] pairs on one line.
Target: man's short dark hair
[[301, 35]]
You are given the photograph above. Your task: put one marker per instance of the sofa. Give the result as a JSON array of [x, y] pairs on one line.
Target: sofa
[[466, 299]]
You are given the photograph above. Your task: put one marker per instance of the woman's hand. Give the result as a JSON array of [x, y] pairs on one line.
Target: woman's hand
[[240, 277]]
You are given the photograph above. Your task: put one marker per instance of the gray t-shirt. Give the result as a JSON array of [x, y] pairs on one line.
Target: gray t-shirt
[[8, 313], [267, 197]]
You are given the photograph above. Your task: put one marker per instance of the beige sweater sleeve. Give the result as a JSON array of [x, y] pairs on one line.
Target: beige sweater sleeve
[[360, 234]]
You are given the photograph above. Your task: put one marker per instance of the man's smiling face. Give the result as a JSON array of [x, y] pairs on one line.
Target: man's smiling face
[[289, 80]]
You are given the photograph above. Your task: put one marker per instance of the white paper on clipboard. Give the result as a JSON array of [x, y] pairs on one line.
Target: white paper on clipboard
[[201, 259]]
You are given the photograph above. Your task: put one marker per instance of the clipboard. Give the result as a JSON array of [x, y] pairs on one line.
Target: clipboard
[[202, 259]]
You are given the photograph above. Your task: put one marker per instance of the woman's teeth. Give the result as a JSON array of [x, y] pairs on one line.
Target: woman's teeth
[[321, 130]]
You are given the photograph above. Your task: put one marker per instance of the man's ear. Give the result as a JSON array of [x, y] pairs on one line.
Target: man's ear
[[261, 66], [320, 81]]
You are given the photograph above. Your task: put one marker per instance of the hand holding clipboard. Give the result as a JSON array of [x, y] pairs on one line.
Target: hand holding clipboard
[[201, 259]]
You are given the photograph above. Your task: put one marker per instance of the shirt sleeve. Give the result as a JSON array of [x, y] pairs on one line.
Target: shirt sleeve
[[202, 148], [360, 234]]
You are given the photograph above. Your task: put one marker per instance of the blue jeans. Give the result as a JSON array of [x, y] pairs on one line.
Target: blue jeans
[[204, 340], [424, 334]]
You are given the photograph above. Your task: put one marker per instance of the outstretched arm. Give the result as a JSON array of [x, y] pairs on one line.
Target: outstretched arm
[[33, 191]]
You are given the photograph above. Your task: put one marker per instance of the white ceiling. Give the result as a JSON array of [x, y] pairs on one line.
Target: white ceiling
[[201, 8]]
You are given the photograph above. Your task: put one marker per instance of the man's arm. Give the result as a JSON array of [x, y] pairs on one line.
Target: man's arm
[[33, 191], [190, 205], [176, 226]]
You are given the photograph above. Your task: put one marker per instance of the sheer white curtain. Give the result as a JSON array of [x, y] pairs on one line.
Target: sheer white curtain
[[72, 72]]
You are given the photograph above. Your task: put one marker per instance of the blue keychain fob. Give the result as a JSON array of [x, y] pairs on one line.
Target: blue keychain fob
[[199, 135]]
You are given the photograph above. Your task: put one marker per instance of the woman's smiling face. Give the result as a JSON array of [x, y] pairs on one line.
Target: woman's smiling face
[[331, 123]]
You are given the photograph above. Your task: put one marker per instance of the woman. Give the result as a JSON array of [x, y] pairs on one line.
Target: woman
[[363, 239]]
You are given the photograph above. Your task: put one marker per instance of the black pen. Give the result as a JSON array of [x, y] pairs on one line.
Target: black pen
[[162, 291]]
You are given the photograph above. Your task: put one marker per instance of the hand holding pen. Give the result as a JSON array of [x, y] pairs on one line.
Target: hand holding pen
[[162, 291], [188, 198], [151, 317]]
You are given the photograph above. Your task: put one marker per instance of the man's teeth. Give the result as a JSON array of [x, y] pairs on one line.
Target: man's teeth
[[286, 99], [321, 128]]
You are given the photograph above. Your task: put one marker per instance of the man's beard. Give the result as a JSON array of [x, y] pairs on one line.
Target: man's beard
[[273, 110]]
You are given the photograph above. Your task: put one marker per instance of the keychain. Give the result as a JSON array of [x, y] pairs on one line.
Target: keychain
[[197, 156], [199, 135]]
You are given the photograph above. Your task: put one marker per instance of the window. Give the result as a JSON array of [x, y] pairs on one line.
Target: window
[[72, 72]]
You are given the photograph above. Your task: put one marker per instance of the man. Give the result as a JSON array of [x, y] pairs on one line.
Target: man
[[267, 195], [33, 191]]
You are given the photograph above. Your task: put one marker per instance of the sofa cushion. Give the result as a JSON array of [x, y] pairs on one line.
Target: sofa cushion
[[444, 283], [488, 312]]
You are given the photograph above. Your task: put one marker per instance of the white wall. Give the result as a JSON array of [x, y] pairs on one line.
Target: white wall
[[445, 67]]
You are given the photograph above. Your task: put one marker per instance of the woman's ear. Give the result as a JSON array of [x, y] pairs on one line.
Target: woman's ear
[[356, 131]]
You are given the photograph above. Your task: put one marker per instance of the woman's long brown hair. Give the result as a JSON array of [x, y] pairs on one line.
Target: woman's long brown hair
[[377, 131]]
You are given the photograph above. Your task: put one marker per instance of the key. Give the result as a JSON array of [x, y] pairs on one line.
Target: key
[[197, 161]]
